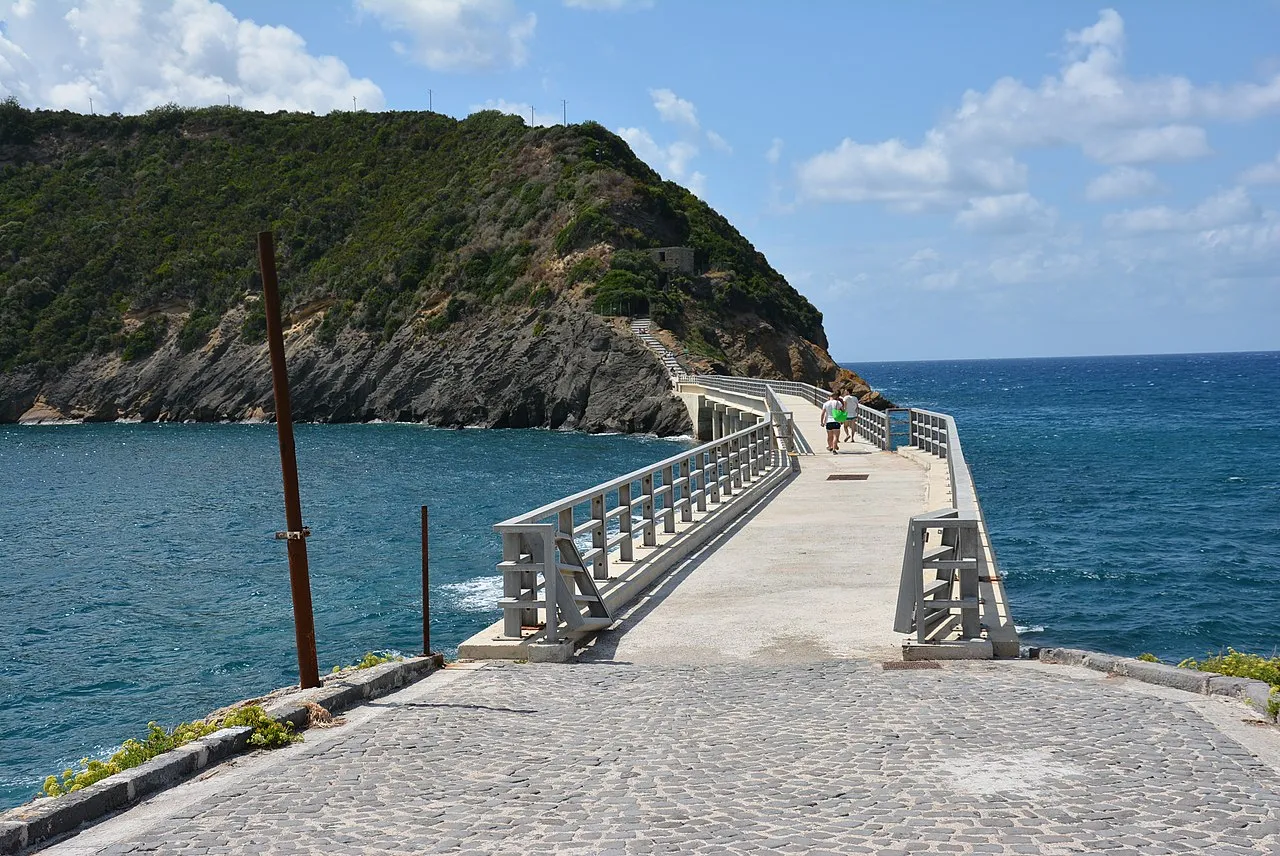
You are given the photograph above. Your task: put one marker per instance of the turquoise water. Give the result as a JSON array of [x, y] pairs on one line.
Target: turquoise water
[[142, 580], [1134, 502]]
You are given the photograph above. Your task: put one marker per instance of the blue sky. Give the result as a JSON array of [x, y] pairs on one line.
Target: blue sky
[[943, 180]]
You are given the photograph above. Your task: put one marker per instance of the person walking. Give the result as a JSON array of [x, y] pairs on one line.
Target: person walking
[[831, 422], [851, 411]]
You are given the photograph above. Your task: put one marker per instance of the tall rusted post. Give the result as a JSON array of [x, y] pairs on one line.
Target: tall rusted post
[[304, 626], [426, 590]]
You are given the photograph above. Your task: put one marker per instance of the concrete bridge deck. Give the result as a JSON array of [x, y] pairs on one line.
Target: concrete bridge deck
[[811, 575]]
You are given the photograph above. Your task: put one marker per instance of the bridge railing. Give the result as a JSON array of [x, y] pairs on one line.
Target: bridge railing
[[950, 589], [870, 424], [589, 550]]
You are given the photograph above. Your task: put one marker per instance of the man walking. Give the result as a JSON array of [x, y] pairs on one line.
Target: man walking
[[851, 409]]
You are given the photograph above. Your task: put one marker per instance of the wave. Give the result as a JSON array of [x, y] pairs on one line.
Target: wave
[[475, 595]]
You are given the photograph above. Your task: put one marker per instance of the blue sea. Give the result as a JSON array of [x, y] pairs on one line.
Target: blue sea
[[1134, 503]]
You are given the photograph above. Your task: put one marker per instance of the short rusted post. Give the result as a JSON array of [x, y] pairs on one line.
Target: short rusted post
[[304, 626], [426, 589]]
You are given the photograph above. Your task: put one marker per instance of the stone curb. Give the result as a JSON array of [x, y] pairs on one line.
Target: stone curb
[[1256, 694], [44, 819]]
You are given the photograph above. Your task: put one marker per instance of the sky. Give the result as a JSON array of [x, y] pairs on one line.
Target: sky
[[993, 178]]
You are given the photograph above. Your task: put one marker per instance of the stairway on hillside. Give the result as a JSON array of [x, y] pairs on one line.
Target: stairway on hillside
[[642, 329]]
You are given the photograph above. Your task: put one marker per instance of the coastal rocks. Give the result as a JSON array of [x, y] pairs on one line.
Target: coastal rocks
[[552, 370]]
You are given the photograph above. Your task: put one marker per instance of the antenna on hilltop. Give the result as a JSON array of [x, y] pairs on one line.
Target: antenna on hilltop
[[353, 104], [91, 113], [564, 112], [530, 115], [430, 107]]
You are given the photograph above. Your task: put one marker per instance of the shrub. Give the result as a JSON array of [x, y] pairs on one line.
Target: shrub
[[584, 269], [371, 659], [590, 226], [143, 341], [267, 734], [196, 329], [1239, 665], [1149, 658]]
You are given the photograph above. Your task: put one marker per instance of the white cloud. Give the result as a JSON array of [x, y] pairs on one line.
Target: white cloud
[[1242, 250], [1006, 214], [673, 108], [774, 154], [518, 108], [1228, 208], [1148, 145], [924, 259], [698, 185], [458, 35], [1263, 173], [719, 143], [609, 5], [1123, 182], [1091, 103], [1038, 264], [671, 160], [943, 280], [132, 55], [903, 176]]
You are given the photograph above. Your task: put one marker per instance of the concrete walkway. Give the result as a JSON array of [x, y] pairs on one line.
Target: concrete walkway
[[837, 757], [812, 575]]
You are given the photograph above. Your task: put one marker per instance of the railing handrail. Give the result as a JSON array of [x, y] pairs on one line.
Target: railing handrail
[[582, 496], [962, 493], [863, 417]]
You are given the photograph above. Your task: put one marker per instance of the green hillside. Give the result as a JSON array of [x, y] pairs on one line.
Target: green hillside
[[112, 227]]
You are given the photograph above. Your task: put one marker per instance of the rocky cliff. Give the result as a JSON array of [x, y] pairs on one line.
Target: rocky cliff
[[473, 272]]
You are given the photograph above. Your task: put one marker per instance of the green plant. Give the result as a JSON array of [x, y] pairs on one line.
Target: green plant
[[1239, 665], [143, 341], [267, 734], [1149, 658], [369, 660]]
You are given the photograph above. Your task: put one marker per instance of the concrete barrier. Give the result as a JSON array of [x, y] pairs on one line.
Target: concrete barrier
[[1256, 694]]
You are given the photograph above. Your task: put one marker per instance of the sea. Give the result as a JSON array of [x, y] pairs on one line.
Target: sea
[[1133, 502]]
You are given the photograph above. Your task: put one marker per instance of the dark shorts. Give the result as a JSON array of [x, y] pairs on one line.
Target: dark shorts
[[833, 426]]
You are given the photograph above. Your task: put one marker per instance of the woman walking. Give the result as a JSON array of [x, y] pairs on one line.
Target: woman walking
[[831, 422]]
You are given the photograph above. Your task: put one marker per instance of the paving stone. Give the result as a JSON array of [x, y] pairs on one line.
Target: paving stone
[[837, 757]]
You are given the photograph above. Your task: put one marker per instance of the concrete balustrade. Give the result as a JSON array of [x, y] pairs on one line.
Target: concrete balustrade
[[951, 595], [599, 548]]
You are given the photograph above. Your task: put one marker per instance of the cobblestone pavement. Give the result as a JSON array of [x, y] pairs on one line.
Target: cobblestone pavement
[[835, 757]]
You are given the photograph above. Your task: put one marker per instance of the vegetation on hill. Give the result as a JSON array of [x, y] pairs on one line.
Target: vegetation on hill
[[117, 231]]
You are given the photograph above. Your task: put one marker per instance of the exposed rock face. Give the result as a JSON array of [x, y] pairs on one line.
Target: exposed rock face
[[577, 372]]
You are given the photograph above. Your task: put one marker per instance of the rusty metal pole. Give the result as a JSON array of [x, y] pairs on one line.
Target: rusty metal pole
[[304, 626], [426, 590]]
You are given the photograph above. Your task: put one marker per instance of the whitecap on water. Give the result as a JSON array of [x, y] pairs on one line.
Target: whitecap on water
[[1024, 629], [475, 595], [1235, 478]]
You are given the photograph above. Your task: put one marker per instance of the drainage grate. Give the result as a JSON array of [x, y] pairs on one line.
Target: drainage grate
[[893, 665], [848, 477]]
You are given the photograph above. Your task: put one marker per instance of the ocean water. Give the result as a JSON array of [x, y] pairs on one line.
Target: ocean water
[[1133, 502], [140, 579]]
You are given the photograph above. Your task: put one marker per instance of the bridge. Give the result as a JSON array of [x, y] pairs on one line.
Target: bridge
[[879, 548]]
